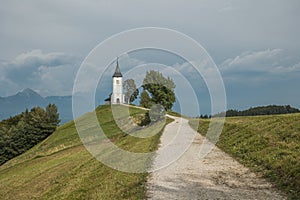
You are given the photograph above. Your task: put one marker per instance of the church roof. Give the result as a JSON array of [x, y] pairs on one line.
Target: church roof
[[109, 97], [117, 71]]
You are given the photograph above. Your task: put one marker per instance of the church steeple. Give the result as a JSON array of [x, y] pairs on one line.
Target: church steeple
[[117, 71], [117, 95]]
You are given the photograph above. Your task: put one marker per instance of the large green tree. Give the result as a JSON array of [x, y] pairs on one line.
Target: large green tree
[[145, 100], [160, 88], [130, 90]]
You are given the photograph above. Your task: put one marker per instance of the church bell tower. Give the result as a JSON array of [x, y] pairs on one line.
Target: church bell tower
[[117, 96]]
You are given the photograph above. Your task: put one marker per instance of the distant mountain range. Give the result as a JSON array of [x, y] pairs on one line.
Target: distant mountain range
[[15, 104]]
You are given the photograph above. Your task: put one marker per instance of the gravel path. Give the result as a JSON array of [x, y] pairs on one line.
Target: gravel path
[[217, 176]]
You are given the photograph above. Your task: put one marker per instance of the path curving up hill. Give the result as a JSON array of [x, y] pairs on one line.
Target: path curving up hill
[[217, 176]]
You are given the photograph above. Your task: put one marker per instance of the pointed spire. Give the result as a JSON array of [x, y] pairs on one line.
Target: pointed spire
[[117, 71]]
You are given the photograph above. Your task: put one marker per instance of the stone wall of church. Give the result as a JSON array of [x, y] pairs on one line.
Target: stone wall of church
[[117, 95]]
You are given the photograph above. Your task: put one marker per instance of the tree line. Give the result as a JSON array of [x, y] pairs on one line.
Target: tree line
[[23, 131], [261, 110]]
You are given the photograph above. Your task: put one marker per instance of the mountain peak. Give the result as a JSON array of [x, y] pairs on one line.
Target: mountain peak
[[28, 90]]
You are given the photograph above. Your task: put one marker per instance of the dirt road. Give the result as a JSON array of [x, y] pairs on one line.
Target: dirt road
[[217, 176]]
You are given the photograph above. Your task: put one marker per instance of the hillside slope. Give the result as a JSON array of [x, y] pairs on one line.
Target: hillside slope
[[61, 168], [269, 145]]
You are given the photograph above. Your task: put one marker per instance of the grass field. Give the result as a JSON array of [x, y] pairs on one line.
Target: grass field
[[61, 168], [269, 145]]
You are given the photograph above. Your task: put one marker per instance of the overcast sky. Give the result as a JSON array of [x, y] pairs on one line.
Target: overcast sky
[[255, 43]]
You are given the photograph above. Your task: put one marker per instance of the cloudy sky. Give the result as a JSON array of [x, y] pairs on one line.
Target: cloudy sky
[[255, 43]]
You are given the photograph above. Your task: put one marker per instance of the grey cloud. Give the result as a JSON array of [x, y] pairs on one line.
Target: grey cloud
[[77, 26], [50, 73], [267, 61], [224, 27], [38, 58], [253, 61]]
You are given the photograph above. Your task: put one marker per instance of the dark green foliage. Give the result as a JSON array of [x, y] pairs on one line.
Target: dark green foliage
[[134, 95], [145, 120], [262, 110], [205, 116], [23, 131], [130, 90], [52, 116], [160, 88], [145, 100]]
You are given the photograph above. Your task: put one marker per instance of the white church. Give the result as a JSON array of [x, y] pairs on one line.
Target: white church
[[117, 96]]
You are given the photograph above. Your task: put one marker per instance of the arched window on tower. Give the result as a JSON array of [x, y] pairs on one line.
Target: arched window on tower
[[117, 82]]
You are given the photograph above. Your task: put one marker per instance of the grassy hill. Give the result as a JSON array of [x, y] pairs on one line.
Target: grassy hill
[[61, 168], [270, 145]]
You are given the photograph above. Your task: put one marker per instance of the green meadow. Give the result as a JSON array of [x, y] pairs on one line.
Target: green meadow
[[61, 168], [269, 145]]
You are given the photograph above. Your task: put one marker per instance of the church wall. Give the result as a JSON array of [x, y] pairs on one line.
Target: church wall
[[117, 90]]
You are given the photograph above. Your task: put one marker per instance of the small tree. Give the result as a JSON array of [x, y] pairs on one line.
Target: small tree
[[52, 116], [130, 90], [145, 100]]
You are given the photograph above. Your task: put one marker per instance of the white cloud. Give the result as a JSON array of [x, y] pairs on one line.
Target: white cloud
[[53, 73], [268, 61], [253, 61], [129, 62], [50, 73], [287, 69], [38, 58]]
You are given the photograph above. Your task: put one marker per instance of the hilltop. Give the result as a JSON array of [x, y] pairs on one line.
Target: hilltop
[[60, 166]]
